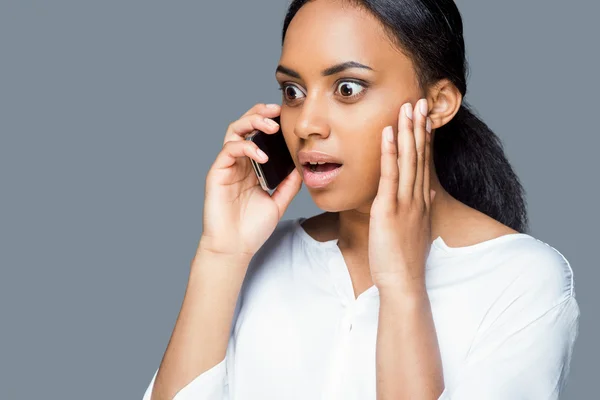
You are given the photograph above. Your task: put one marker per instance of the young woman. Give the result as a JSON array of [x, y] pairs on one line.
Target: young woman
[[418, 280]]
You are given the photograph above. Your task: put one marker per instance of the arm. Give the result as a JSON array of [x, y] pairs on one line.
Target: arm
[[201, 333], [409, 365]]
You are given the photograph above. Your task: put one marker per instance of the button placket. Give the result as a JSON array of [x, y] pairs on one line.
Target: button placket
[[352, 307], [336, 373], [355, 308], [347, 321], [339, 365]]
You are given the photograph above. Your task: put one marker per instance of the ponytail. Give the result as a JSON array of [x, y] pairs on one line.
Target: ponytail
[[471, 166]]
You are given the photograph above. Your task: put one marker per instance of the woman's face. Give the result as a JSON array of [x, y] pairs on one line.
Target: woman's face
[[344, 113]]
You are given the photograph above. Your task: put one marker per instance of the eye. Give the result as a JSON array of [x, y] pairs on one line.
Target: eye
[[290, 92], [350, 89]]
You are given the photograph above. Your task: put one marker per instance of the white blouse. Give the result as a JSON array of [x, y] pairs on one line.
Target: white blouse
[[504, 311]]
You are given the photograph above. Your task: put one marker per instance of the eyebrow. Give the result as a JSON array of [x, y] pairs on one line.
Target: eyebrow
[[327, 71]]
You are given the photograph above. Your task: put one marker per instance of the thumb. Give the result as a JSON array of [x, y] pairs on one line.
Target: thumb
[[287, 190]]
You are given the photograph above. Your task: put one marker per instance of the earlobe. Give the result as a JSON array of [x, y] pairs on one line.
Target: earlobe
[[446, 100]]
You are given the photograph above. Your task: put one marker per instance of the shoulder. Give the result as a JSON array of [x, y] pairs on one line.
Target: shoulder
[[280, 240], [533, 288], [542, 266], [276, 250], [535, 276], [529, 264], [266, 267]]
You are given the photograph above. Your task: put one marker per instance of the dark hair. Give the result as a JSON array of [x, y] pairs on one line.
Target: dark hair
[[468, 157]]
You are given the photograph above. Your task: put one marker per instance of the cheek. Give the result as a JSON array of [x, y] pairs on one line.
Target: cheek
[[365, 161]]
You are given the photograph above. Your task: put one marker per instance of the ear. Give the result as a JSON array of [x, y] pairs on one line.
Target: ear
[[445, 100]]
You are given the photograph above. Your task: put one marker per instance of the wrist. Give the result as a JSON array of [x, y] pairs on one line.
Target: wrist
[[219, 267], [207, 250], [405, 301], [400, 282], [412, 289]]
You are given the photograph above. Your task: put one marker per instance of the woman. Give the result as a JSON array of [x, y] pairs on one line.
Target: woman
[[418, 281]]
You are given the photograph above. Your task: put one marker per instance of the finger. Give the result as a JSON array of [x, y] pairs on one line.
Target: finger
[[388, 180], [420, 119], [233, 150], [427, 169], [237, 130], [267, 110], [408, 156], [286, 191]]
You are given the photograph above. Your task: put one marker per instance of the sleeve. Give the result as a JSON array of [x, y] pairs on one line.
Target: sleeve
[[210, 385], [530, 362], [525, 342]]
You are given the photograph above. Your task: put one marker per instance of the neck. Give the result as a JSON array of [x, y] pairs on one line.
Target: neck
[[353, 225]]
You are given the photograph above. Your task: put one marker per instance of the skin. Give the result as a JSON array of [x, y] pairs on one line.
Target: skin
[[317, 114], [386, 224]]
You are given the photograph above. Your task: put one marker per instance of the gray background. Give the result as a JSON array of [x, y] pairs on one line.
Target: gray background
[[111, 113]]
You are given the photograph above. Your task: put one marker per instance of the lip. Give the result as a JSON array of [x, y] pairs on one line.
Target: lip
[[305, 157], [317, 180]]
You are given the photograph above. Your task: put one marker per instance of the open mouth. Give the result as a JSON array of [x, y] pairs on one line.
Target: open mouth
[[326, 167]]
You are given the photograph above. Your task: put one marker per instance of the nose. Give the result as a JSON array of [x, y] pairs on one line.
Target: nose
[[313, 118]]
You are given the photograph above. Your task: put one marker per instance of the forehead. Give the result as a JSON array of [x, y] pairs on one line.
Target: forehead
[[325, 32]]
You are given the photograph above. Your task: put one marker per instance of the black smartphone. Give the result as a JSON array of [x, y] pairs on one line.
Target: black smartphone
[[280, 163]]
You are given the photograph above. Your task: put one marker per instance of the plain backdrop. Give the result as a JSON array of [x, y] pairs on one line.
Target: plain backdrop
[[112, 112]]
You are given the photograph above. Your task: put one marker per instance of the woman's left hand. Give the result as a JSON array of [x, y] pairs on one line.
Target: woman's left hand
[[400, 221]]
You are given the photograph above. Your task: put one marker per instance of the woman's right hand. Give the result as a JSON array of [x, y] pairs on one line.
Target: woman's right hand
[[239, 216]]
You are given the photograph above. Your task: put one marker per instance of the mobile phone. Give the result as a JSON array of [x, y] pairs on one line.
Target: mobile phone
[[280, 163]]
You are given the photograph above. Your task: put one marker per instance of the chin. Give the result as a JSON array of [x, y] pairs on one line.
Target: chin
[[329, 200], [337, 200]]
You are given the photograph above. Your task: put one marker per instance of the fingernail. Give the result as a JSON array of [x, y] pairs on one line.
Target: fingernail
[[428, 125], [272, 105], [261, 154], [270, 122], [389, 134], [408, 110], [423, 107]]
